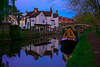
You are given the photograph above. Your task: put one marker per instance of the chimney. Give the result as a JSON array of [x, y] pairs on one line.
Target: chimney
[[50, 9], [56, 11], [35, 10], [26, 11]]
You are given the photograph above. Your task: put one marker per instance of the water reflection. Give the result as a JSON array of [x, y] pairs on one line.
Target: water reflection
[[11, 48], [43, 49], [3, 64], [67, 51], [47, 52]]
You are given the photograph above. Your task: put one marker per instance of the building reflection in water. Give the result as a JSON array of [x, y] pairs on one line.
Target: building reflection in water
[[41, 49], [3, 64]]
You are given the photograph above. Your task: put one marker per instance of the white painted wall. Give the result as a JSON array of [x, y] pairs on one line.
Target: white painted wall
[[57, 22], [24, 23], [49, 19], [39, 19], [57, 43], [52, 16], [38, 49], [32, 22]]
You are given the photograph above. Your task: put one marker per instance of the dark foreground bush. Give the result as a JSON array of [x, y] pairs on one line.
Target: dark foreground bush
[[3, 36], [16, 32]]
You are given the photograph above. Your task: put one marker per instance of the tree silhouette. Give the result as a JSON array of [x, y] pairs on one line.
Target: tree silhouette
[[4, 8], [92, 6]]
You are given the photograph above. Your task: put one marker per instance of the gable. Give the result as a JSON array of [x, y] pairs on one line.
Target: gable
[[29, 13]]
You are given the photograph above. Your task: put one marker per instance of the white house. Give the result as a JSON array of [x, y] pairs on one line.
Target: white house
[[42, 20]]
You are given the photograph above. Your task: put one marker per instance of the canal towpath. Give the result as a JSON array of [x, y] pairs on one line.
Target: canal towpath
[[95, 42]]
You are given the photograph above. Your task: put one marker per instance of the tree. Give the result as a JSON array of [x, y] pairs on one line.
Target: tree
[[86, 17], [18, 20], [16, 12], [92, 6], [4, 8]]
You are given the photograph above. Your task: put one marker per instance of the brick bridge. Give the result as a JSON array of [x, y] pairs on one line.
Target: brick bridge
[[87, 25]]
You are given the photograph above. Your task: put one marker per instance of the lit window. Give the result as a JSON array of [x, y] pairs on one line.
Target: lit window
[[54, 23]]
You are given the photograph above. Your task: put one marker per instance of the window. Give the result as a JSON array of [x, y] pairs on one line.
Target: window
[[32, 20], [43, 20], [52, 23]]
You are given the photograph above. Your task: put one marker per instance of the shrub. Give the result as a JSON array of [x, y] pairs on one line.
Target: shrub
[[16, 32], [5, 36]]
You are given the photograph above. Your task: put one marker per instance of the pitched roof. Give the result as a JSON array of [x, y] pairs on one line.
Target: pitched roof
[[55, 15], [64, 19], [26, 11], [47, 13], [69, 19], [29, 13], [34, 14], [13, 17]]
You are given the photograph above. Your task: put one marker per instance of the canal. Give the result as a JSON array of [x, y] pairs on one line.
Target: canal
[[35, 52]]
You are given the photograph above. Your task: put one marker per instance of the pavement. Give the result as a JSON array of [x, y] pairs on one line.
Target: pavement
[[95, 42]]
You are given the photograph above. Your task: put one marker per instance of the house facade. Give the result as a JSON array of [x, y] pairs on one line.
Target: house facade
[[56, 22], [41, 20]]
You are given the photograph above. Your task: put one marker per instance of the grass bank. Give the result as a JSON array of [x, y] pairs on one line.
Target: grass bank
[[98, 33], [83, 53]]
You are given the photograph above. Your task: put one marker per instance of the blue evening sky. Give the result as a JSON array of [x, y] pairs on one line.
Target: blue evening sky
[[44, 5]]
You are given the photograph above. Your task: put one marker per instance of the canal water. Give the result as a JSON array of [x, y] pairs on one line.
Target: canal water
[[35, 52]]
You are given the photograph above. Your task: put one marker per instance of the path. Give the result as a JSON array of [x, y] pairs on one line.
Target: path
[[95, 42]]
